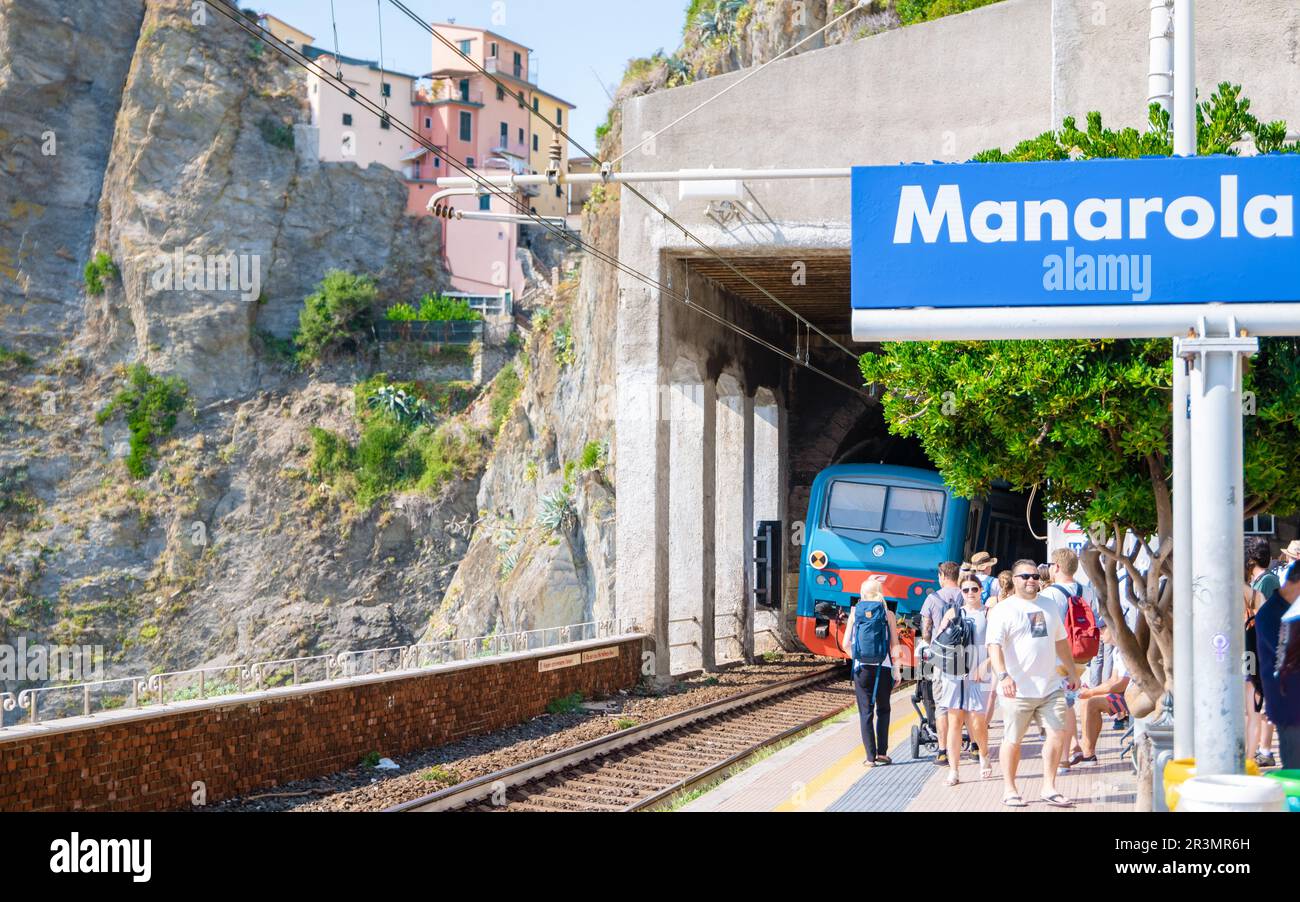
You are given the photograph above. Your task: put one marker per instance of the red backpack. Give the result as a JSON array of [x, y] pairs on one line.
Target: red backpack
[[1080, 627]]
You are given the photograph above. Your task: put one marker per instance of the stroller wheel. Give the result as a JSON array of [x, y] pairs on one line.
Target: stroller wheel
[[916, 743]]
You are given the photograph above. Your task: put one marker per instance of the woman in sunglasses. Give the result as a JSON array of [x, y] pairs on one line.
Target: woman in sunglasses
[[966, 697]]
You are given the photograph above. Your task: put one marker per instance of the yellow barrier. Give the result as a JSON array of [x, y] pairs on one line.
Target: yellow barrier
[[1180, 771]]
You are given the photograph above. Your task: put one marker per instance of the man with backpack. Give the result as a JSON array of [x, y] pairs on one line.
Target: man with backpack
[[1278, 639], [1080, 611], [877, 664], [932, 614], [1027, 641]]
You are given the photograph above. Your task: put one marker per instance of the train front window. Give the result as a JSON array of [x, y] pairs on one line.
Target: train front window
[[914, 512], [865, 507], [856, 505]]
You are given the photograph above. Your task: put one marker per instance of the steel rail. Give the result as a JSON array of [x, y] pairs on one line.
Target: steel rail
[[484, 787]]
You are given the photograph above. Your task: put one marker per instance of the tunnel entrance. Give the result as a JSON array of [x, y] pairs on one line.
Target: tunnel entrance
[[809, 420]]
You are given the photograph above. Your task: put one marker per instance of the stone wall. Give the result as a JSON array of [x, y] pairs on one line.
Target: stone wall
[[150, 760]]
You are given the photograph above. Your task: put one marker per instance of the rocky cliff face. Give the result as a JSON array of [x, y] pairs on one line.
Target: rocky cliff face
[[202, 164], [61, 79], [542, 553], [174, 135]]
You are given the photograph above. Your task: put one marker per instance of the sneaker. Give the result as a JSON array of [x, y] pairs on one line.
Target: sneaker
[[1265, 759], [1121, 724], [941, 758], [1084, 761], [1062, 771]]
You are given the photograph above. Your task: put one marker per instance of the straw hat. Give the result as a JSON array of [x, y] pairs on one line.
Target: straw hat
[[1293, 550], [984, 559]]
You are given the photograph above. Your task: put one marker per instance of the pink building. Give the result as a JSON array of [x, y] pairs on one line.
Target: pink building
[[464, 112]]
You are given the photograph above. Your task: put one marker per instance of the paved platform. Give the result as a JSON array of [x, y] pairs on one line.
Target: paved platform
[[825, 772]]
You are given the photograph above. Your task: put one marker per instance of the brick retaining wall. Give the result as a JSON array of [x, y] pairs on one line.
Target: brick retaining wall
[[149, 759]]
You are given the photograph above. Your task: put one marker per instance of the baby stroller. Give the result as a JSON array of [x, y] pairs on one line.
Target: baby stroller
[[924, 734]]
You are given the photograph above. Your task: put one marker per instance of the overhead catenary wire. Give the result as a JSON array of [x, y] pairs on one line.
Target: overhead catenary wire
[[297, 58], [811, 326]]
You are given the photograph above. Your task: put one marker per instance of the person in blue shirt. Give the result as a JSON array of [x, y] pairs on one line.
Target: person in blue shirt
[[983, 563], [1281, 695]]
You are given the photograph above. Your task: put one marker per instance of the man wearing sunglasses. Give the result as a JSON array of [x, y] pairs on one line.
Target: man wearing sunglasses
[[1027, 641]]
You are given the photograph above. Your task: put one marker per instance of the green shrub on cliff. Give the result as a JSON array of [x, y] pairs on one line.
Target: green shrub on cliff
[[335, 316], [100, 267], [434, 309], [151, 405]]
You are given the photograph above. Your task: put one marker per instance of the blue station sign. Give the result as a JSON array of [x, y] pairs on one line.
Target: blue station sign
[[1100, 232]]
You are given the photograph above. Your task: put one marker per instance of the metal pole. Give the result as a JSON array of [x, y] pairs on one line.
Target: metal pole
[[1185, 637], [1160, 75], [1184, 698], [1217, 566], [1184, 79]]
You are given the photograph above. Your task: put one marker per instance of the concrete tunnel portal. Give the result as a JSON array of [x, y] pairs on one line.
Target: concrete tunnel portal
[[741, 434]]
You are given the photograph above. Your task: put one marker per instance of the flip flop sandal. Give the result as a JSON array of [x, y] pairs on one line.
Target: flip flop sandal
[[883, 760], [953, 780], [1013, 800], [1056, 800], [986, 772]]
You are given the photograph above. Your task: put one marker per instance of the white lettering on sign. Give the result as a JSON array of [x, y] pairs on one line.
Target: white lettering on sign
[[559, 663], [1094, 219], [599, 654]]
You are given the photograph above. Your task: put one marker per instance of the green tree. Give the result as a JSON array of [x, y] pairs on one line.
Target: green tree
[[1089, 423], [335, 315]]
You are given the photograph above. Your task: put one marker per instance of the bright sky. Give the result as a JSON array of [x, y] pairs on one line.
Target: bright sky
[[570, 38]]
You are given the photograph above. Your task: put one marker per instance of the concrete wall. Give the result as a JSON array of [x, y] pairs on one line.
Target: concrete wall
[[149, 759], [936, 92]]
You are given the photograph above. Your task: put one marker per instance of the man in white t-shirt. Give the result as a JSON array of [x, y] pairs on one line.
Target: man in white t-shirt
[[1027, 643], [1065, 564]]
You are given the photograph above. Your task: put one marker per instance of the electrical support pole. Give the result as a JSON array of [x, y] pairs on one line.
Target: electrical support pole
[[1180, 52]]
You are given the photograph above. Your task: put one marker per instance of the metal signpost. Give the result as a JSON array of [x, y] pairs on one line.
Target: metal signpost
[[1200, 249]]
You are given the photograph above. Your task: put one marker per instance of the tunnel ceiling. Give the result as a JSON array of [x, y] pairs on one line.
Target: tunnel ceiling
[[824, 300]]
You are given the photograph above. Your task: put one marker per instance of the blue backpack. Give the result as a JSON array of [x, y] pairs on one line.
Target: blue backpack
[[870, 643]]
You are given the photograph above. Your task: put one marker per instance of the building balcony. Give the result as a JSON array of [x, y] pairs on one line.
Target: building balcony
[[444, 93], [520, 72]]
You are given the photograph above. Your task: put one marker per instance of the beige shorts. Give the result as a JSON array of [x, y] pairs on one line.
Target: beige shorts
[[1018, 713]]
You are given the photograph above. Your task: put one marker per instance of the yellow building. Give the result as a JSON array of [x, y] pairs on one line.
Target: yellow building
[[281, 29], [552, 200]]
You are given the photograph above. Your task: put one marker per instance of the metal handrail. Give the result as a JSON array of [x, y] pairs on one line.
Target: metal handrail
[[154, 689]]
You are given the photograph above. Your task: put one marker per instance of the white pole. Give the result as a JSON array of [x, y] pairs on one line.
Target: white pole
[[1184, 120], [1218, 638], [1184, 79], [1160, 75], [1184, 695]]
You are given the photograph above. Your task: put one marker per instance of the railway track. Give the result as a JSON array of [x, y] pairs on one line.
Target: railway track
[[647, 765]]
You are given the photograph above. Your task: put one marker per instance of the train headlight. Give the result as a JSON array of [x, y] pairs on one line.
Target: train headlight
[[821, 580], [833, 581], [878, 550]]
